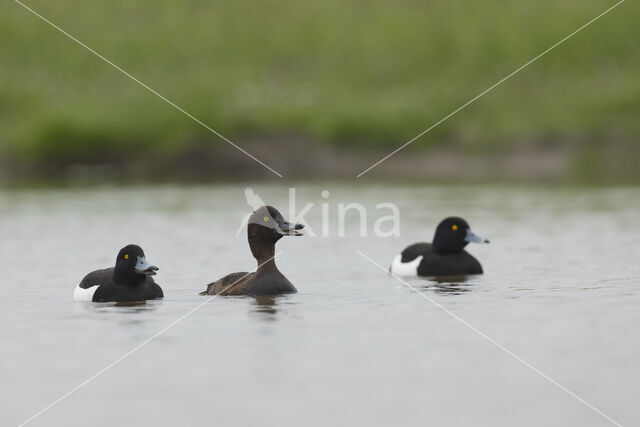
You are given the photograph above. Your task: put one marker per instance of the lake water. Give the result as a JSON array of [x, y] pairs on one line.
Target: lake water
[[355, 346]]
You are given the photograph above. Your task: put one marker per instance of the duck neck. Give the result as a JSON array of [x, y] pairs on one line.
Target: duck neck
[[262, 242], [444, 246], [124, 277], [265, 255]]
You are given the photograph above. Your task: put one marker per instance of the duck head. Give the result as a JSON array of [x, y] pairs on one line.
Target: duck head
[[266, 227], [453, 234], [132, 265]]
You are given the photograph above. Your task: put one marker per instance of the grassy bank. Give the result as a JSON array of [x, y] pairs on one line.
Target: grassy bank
[[344, 73]]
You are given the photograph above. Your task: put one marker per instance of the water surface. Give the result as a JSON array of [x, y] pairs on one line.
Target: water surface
[[354, 346]]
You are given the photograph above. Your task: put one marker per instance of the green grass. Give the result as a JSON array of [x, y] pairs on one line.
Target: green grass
[[341, 72]]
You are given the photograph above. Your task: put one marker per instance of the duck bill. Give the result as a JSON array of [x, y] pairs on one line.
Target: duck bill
[[472, 237], [143, 267], [289, 229]]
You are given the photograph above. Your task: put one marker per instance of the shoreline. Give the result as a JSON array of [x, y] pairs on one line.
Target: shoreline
[[301, 159]]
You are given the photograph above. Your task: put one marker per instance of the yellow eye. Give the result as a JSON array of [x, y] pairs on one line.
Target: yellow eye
[[266, 218], [126, 257], [454, 227]]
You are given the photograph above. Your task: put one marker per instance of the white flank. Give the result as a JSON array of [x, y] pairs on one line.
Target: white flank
[[410, 268], [84, 295]]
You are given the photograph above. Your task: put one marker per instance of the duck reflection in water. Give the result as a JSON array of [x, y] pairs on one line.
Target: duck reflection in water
[[123, 306], [126, 313], [131, 304], [265, 306], [449, 285]]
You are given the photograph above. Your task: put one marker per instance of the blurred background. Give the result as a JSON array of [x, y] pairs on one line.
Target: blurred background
[[319, 90]]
